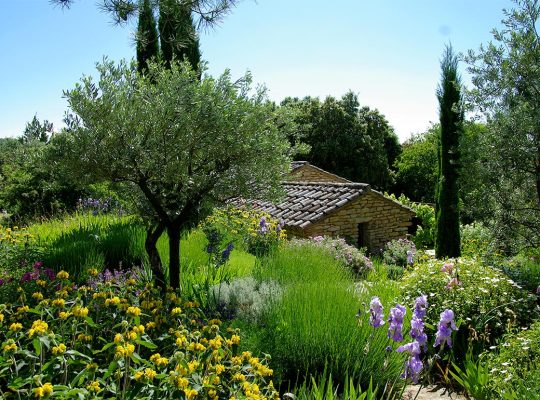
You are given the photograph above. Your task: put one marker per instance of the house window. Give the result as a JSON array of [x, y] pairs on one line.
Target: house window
[[363, 234]]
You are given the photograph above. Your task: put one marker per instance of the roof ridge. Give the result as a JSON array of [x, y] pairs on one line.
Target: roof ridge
[[327, 183]]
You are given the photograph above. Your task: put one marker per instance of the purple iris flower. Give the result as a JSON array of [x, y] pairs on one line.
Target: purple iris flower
[[420, 306], [445, 327], [395, 321], [413, 365], [376, 318]]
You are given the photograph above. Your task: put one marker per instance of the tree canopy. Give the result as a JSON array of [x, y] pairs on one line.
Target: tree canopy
[[351, 141], [180, 143], [506, 92]]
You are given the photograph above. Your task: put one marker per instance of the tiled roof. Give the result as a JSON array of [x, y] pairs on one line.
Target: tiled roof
[[307, 202], [297, 164]]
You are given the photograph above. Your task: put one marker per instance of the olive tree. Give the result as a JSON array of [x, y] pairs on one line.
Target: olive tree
[[506, 93], [179, 143]]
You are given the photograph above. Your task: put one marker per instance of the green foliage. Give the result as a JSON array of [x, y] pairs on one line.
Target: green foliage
[[348, 140], [486, 301], [524, 269], [416, 166], [400, 252], [350, 257], [324, 388], [147, 36], [313, 329], [473, 378], [102, 341], [505, 75], [425, 234], [477, 241], [30, 186], [37, 131], [179, 143], [177, 34], [515, 364], [254, 231], [447, 241]]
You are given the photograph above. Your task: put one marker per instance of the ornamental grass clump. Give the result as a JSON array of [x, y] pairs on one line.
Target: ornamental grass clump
[[123, 341]]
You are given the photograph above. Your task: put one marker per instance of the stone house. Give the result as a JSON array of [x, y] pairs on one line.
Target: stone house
[[320, 203]]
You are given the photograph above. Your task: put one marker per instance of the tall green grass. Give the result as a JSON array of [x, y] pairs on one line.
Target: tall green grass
[[314, 327], [82, 241]]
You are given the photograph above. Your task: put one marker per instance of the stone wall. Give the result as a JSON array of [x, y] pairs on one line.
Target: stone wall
[[309, 173], [385, 220]]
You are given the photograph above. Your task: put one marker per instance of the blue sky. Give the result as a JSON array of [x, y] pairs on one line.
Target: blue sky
[[386, 51]]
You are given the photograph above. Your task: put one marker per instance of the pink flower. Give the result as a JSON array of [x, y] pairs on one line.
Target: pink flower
[[453, 282], [448, 268]]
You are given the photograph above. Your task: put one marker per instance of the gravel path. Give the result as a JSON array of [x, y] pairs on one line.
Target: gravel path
[[431, 393]]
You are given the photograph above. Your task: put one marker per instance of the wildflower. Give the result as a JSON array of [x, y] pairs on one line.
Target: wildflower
[[113, 300], [49, 273], [150, 373], [138, 375], [44, 390], [176, 311], [538, 290], [444, 329], [60, 349], [93, 272], [93, 387], [376, 318], [409, 257], [38, 296], [190, 393], [10, 346], [417, 330], [15, 327], [59, 302], [453, 282], [235, 339], [420, 306], [448, 268], [413, 365], [133, 311], [219, 368], [64, 314], [62, 275], [395, 329], [40, 327], [80, 311]]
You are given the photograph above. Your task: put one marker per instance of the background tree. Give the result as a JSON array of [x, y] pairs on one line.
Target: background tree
[[346, 139], [506, 91], [416, 167], [178, 36], [37, 131], [147, 36], [447, 237], [179, 143]]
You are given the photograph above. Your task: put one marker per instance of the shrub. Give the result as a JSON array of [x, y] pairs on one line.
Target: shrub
[[70, 342], [246, 228], [425, 234], [349, 256], [399, 252], [477, 241], [524, 269], [515, 365], [244, 298], [487, 302], [18, 251]]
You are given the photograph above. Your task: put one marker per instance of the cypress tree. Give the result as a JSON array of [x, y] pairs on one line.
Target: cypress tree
[[147, 36], [447, 238], [178, 36]]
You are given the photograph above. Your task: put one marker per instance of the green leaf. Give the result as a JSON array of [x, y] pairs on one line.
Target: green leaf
[[147, 344], [112, 367], [37, 346]]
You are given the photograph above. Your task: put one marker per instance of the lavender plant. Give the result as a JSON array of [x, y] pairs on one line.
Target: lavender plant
[[399, 252]]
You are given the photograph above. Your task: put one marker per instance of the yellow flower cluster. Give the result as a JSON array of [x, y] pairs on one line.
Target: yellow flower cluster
[[38, 327], [10, 346], [125, 350], [60, 349], [45, 390], [133, 311], [81, 312], [159, 360], [62, 275]]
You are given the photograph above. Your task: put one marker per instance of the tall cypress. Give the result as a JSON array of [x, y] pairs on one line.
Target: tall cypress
[[178, 36], [447, 239], [147, 36]]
